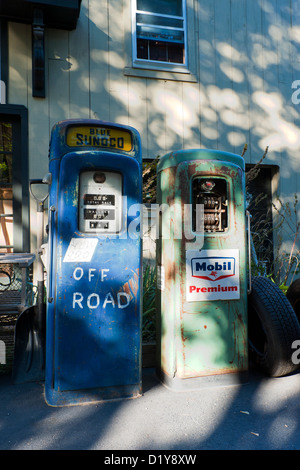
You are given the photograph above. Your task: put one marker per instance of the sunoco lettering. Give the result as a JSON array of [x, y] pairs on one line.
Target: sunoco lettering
[[100, 141]]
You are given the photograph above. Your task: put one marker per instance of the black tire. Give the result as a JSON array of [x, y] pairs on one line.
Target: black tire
[[273, 327], [293, 295]]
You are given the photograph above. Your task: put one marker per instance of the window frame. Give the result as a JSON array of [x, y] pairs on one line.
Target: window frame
[[18, 116], [155, 64]]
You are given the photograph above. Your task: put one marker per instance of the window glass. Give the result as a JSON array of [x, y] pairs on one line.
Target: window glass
[[167, 7], [159, 31]]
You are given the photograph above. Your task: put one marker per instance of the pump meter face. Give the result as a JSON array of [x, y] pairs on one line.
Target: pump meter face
[[100, 195], [212, 193]]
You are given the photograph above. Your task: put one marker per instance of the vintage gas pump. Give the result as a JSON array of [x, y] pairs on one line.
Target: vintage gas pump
[[202, 269], [93, 341]]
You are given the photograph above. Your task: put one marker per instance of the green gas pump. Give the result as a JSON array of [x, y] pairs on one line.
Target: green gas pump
[[202, 275]]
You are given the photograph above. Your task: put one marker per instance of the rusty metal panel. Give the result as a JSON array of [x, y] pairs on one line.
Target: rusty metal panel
[[203, 314]]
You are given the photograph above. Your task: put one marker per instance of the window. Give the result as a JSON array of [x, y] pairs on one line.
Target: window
[[159, 33]]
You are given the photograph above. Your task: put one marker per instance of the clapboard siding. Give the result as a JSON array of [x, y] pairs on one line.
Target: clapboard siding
[[245, 56]]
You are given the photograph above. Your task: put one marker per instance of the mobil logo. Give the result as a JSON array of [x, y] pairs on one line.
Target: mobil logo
[[213, 268]]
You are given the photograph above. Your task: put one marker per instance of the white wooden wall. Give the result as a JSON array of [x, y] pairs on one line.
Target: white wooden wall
[[247, 57]]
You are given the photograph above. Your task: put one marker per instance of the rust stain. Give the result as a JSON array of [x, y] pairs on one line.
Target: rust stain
[[131, 286]]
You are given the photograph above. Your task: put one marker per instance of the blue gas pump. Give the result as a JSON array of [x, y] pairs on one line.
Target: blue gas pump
[[93, 339]]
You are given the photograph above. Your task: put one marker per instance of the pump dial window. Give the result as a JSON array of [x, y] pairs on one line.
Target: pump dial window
[[100, 195]]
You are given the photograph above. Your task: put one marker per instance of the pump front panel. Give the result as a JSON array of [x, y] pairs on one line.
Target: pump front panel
[[93, 330]]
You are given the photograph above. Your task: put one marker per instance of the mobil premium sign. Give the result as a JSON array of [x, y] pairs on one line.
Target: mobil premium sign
[[212, 275]]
